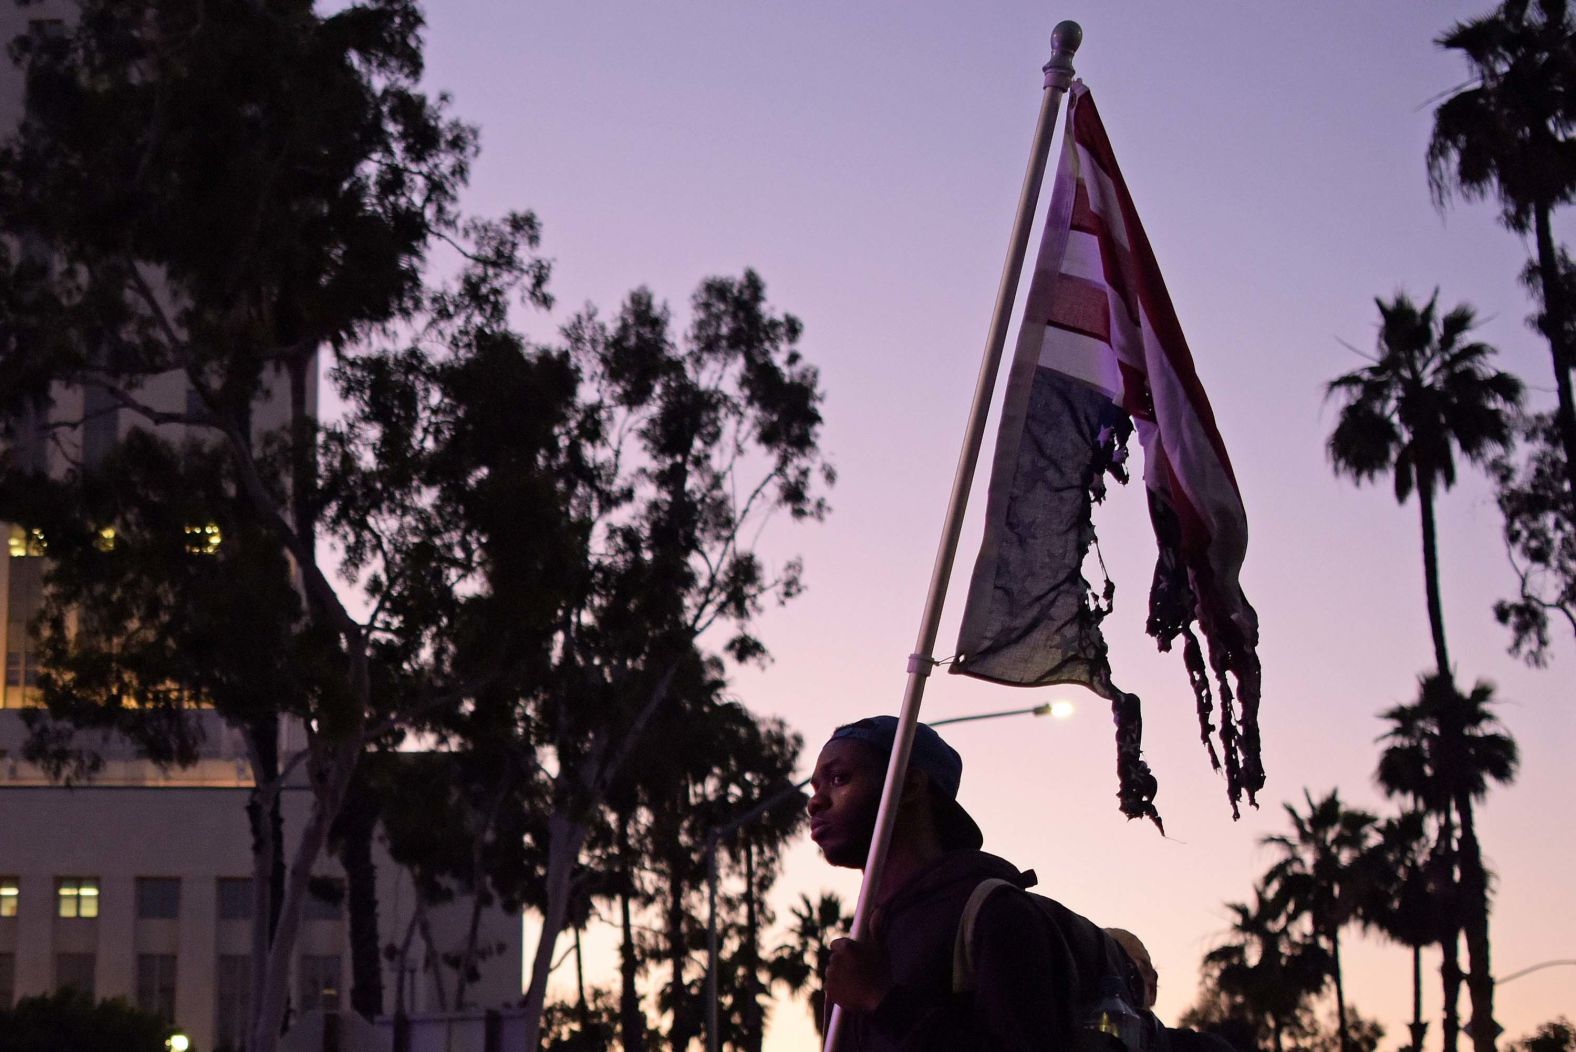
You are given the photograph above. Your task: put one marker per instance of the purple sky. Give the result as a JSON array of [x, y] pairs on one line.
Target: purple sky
[[865, 158]]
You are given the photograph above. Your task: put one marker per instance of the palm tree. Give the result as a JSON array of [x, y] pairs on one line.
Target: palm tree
[[1443, 751], [1506, 134], [1322, 876], [1264, 970], [801, 963], [1407, 900], [1429, 393]]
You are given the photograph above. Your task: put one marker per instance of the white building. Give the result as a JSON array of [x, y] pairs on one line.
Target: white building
[[138, 886]]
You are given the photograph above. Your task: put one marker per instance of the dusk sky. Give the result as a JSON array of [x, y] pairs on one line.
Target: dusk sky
[[865, 158]]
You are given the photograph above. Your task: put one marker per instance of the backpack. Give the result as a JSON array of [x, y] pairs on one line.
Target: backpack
[[1100, 967]]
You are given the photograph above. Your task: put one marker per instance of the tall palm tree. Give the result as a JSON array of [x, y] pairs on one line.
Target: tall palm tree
[[1322, 876], [1265, 970], [1507, 134], [801, 963], [1444, 750], [1407, 900], [1429, 393]]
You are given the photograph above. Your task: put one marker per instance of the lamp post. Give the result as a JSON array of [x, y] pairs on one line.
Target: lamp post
[[1562, 962], [1055, 709]]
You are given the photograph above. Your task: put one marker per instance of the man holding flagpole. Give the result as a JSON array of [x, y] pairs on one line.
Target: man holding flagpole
[[898, 983], [1100, 355]]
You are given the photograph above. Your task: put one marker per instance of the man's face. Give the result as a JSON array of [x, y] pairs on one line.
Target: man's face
[[1146, 971], [845, 794]]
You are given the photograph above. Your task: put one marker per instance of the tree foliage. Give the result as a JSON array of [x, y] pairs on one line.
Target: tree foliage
[[1261, 977], [199, 200], [68, 1019], [1323, 877], [1442, 752], [1429, 393], [1557, 1035], [800, 963], [1540, 538], [1506, 134]]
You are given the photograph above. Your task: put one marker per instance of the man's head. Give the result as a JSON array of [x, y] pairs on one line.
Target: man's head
[[847, 791], [1140, 955]]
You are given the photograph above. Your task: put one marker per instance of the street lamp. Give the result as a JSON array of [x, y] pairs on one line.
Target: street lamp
[[1562, 962], [1060, 710]]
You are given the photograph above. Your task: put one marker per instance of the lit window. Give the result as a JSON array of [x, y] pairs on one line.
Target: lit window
[[25, 543], [203, 540], [105, 539], [10, 892], [78, 897]]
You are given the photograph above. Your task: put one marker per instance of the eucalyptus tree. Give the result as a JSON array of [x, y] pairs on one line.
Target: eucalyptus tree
[[694, 446], [1506, 134], [210, 196], [1540, 538], [1444, 751], [1323, 877], [598, 503]]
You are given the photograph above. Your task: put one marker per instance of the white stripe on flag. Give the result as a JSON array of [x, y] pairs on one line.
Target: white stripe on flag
[[1083, 358]]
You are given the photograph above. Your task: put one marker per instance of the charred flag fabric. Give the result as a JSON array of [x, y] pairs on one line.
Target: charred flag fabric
[[1100, 354]]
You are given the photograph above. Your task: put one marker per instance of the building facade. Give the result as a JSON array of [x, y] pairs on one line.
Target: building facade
[[136, 883], [138, 886]]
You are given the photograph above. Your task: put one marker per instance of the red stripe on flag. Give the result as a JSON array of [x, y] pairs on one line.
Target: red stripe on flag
[[1121, 274], [1081, 306], [1089, 133]]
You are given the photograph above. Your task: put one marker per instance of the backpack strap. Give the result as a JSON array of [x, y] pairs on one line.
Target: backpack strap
[[963, 945]]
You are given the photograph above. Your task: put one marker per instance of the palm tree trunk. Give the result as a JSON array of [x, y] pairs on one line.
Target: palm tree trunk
[[1436, 614], [1417, 1027], [632, 1023], [682, 1031], [1449, 951], [754, 1018], [1556, 327], [1450, 973], [583, 1010], [1474, 916], [1340, 991]]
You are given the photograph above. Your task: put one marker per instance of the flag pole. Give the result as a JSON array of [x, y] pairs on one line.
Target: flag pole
[[1065, 39]]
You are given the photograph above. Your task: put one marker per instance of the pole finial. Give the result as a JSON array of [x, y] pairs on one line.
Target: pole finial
[[1065, 39]]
